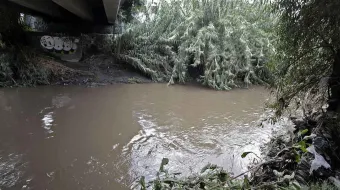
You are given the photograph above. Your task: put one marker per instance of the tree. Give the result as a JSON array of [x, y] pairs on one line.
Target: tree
[[225, 43], [11, 29], [129, 8], [309, 50], [17, 62]]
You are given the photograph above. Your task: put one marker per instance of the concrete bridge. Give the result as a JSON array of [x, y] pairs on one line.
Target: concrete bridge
[[96, 11]]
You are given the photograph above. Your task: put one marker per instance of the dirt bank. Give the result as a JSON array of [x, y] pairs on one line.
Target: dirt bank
[[96, 70]]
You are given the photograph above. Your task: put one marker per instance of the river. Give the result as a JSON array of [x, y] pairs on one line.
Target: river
[[107, 137]]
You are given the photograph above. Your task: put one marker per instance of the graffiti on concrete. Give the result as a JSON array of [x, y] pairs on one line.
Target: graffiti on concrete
[[63, 45]]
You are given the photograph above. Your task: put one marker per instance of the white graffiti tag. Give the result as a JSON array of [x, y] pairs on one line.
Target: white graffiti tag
[[47, 42], [58, 43], [63, 44], [67, 44]]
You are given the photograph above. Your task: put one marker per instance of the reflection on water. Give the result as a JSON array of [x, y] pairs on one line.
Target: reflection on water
[[105, 138], [47, 122]]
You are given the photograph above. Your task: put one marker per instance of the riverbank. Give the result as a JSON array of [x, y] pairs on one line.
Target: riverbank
[[32, 69], [305, 155], [100, 70]]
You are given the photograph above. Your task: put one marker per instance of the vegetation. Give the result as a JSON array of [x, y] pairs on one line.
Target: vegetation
[[18, 69], [290, 163], [129, 9], [17, 62], [308, 53], [308, 74], [210, 177], [223, 44], [230, 44], [11, 29], [213, 177]]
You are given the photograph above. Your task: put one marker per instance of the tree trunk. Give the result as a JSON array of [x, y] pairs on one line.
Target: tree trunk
[[334, 85]]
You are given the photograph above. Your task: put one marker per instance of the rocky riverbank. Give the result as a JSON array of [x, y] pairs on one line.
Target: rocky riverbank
[[303, 156], [307, 154]]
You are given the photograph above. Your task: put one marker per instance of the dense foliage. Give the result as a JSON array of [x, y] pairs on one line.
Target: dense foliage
[[308, 71], [129, 9], [223, 44], [213, 177], [17, 62], [10, 25], [308, 51]]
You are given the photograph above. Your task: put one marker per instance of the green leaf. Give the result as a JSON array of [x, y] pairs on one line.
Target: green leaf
[[297, 157], [302, 146], [303, 132], [157, 185], [223, 176], [246, 184], [205, 168], [208, 166], [245, 154], [142, 183], [165, 161], [296, 185]]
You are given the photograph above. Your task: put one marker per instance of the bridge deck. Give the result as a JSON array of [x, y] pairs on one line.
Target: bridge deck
[[83, 9]]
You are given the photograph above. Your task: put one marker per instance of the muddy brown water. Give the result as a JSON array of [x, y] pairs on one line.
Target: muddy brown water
[[107, 137]]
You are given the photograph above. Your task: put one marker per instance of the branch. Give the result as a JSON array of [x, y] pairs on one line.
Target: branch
[[313, 48], [258, 167], [325, 41]]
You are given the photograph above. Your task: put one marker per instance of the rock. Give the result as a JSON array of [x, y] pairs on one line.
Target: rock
[[321, 144], [299, 122], [322, 173], [319, 166]]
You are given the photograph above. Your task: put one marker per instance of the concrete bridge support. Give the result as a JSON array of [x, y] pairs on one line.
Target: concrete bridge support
[[111, 9]]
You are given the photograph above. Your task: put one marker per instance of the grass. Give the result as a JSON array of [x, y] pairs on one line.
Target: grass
[[20, 69]]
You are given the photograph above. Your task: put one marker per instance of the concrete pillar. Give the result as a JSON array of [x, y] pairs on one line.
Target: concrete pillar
[[77, 7], [111, 9], [43, 6]]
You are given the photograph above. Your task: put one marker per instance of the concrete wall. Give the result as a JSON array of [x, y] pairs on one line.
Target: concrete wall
[[62, 46], [38, 24], [70, 48], [97, 43], [66, 40]]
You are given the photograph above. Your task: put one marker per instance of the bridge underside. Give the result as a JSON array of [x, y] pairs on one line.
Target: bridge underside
[[96, 11]]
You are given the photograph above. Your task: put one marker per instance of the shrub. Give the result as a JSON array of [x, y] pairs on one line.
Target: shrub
[[17, 63], [228, 43]]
